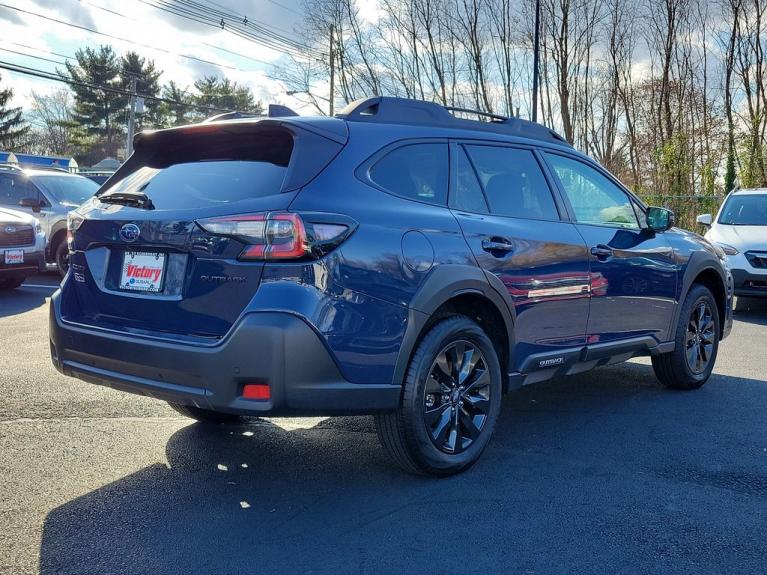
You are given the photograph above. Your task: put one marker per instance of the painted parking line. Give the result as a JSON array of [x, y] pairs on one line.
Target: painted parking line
[[40, 286]]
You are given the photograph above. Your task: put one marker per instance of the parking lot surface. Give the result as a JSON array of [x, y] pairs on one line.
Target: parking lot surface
[[606, 472]]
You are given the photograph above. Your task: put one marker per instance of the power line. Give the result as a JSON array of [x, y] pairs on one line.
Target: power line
[[32, 56], [56, 78], [220, 18], [232, 24], [85, 28], [232, 52]]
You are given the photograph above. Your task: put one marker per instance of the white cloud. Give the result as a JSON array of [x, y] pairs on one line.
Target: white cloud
[[154, 34]]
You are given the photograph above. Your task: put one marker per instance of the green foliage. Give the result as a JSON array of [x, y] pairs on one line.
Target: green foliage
[[674, 165], [100, 112], [224, 94], [175, 114], [147, 84], [13, 128]]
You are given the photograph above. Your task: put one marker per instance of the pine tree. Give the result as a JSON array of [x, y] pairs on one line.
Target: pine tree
[[13, 128], [147, 84], [225, 94], [100, 112]]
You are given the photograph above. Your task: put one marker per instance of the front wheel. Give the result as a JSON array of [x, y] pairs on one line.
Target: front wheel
[[450, 402], [697, 342], [204, 415]]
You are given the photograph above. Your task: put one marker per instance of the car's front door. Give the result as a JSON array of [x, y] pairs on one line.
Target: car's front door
[[511, 221], [633, 271]]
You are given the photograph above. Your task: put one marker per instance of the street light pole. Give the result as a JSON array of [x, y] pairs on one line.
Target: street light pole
[[536, 61]]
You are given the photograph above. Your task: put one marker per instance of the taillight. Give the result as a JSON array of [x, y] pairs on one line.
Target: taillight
[[280, 235], [73, 224]]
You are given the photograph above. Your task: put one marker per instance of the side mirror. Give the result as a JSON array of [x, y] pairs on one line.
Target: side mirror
[[33, 203], [704, 220], [660, 219]]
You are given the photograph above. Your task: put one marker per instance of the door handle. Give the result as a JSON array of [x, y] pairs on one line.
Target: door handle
[[498, 245], [602, 252]]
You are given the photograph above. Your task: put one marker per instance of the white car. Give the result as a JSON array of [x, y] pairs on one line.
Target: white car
[[740, 229], [22, 247]]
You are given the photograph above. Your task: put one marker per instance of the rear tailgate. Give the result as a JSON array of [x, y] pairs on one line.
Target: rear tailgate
[[146, 266]]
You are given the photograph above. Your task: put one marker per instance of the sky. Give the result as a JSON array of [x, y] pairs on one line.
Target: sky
[[151, 32]]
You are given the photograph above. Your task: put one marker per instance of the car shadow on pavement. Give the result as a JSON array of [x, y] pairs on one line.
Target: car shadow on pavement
[[751, 310], [23, 299], [602, 472]]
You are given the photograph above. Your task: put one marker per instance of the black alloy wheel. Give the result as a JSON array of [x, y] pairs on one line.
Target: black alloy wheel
[[457, 397]]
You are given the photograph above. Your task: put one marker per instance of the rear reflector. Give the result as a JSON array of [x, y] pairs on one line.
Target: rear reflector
[[258, 391]]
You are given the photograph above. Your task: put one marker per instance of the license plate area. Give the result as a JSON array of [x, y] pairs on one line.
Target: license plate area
[[13, 257], [143, 272]]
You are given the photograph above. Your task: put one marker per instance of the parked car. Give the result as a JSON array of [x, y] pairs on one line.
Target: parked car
[[740, 230], [394, 260], [47, 194], [22, 245]]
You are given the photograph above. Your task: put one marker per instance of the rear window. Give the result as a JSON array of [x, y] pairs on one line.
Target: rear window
[[414, 171], [198, 170]]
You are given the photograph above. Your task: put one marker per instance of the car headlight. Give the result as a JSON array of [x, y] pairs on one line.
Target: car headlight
[[727, 249], [38, 227]]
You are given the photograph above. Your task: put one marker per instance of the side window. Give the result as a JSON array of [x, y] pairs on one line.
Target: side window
[[513, 182], [13, 189], [467, 193], [595, 199], [415, 171]]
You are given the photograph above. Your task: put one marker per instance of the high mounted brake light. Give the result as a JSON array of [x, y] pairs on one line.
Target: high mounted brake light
[[278, 235]]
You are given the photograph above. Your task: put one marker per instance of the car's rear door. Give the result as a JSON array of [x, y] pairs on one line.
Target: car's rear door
[[511, 219], [633, 272]]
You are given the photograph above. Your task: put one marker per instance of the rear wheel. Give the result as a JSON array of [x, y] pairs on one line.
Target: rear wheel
[[697, 341], [450, 403], [204, 415], [61, 257]]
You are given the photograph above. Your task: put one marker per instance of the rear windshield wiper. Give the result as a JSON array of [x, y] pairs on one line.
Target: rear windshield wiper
[[134, 199]]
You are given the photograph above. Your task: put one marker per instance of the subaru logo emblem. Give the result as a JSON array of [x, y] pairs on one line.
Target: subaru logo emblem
[[10, 229], [129, 232]]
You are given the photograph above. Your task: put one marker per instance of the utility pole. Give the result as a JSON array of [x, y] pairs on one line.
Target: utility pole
[[332, 68], [131, 117], [536, 57]]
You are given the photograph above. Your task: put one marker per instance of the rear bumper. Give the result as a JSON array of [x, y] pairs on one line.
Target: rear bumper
[[275, 348], [750, 284], [33, 263]]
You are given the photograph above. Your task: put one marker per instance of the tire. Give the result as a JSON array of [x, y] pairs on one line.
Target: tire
[[61, 257], [205, 415], [11, 283], [696, 343], [422, 435]]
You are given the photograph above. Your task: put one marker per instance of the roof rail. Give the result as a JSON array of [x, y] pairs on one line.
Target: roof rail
[[389, 110]]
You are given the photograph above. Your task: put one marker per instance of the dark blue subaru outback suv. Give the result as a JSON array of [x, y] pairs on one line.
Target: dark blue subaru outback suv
[[395, 260]]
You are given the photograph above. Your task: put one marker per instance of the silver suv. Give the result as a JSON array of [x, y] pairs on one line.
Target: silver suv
[[49, 195], [740, 229]]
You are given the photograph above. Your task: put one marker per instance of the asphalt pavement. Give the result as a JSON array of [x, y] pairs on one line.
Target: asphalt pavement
[[605, 472]]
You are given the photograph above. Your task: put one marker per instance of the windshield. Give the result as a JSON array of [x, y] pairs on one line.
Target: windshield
[[68, 190], [745, 210]]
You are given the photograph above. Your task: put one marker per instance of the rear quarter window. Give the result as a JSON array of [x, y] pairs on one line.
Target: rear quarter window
[[414, 171]]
